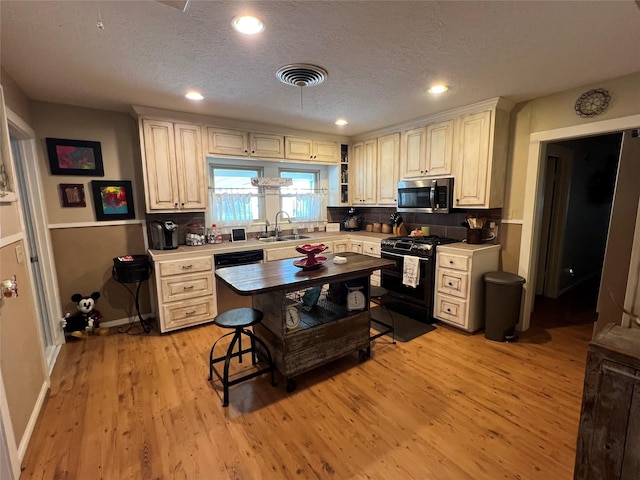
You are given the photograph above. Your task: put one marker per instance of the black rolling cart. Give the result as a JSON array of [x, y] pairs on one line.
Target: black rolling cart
[[133, 269]]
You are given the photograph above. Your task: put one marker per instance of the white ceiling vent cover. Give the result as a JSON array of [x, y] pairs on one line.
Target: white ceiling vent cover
[[302, 75]]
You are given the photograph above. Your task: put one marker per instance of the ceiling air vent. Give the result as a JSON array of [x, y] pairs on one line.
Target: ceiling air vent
[[302, 75]]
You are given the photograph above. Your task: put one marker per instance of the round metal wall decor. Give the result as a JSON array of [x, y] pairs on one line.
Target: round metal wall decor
[[592, 103]]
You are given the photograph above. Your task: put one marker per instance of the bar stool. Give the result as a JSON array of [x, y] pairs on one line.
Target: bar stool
[[239, 319], [375, 294]]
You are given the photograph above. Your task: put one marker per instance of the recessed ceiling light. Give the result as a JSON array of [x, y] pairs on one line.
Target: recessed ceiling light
[[440, 88], [247, 24], [194, 95], [341, 122]]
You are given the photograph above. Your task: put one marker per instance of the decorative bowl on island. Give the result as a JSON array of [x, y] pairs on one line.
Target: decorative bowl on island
[[311, 262]]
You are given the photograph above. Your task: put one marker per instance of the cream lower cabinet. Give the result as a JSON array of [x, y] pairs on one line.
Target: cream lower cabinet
[[340, 246], [174, 167], [186, 292], [373, 250], [459, 288]]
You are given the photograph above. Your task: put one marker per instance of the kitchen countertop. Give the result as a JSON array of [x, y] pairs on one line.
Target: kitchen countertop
[[253, 244], [281, 274]]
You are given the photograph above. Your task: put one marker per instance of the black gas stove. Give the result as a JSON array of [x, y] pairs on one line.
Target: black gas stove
[[416, 246], [415, 301]]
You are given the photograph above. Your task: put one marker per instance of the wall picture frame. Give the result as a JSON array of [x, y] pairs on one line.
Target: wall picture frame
[[75, 157], [112, 199], [72, 195]]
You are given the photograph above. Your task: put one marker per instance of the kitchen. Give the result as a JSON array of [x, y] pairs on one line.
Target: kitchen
[[120, 141]]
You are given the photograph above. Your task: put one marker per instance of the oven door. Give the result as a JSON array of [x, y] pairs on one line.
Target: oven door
[[422, 295]]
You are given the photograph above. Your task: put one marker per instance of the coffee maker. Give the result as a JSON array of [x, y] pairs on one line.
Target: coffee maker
[[163, 235], [352, 222]]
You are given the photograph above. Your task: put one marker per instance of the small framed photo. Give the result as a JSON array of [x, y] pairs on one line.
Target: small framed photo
[[75, 157], [72, 195], [112, 199]]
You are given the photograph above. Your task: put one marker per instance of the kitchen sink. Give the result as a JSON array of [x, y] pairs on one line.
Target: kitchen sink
[[283, 238]]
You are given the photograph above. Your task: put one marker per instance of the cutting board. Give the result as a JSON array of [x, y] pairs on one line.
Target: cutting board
[[400, 230]]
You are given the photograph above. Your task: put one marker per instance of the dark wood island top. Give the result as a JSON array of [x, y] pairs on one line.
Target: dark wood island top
[[273, 276]]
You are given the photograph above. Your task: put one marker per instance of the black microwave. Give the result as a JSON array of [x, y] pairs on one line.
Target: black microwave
[[425, 195]]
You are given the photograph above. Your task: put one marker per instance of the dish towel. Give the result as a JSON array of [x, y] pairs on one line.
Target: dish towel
[[410, 271]]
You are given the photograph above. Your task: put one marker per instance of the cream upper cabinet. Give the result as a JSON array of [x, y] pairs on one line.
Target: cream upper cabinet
[[297, 148], [388, 167], [439, 151], [480, 160], [239, 143], [413, 153], [174, 167], [363, 175], [427, 151]]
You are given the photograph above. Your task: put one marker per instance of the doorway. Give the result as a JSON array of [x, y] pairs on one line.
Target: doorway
[[37, 238], [624, 213], [579, 183]]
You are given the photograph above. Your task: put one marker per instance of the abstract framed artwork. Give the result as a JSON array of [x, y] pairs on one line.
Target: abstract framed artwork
[[112, 199], [72, 195], [75, 157]]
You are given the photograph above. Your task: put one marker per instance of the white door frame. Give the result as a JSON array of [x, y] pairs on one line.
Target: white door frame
[[534, 196], [40, 221]]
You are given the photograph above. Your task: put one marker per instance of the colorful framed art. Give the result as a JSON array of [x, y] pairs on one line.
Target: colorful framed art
[[112, 199], [75, 157]]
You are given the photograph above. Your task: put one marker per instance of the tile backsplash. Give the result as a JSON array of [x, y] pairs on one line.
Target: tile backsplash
[[444, 225]]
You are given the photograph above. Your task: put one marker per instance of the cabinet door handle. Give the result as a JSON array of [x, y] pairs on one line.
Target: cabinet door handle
[[190, 312], [187, 267], [451, 262], [190, 287], [629, 376], [450, 284]]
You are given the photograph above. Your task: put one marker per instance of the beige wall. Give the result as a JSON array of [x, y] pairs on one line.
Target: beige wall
[[15, 98], [557, 111], [21, 353], [84, 253], [85, 270], [549, 113], [118, 137], [20, 349]]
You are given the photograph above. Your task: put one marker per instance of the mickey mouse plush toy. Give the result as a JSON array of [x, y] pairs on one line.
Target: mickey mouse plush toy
[[86, 319]]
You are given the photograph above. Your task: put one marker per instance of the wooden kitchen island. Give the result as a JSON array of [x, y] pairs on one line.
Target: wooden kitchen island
[[311, 317]]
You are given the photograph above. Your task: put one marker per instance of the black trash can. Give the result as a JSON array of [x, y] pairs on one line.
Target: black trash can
[[503, 292]]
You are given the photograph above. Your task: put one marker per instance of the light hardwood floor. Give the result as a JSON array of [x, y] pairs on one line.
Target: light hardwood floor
[[447, 405]]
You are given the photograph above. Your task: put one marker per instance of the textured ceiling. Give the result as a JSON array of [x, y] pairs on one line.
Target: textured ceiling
[[381, 56]]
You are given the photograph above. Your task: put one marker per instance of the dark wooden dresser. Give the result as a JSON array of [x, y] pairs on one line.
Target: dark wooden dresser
[[609, 436]]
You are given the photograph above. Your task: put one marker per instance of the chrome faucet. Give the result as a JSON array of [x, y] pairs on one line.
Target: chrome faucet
[[277, 230]]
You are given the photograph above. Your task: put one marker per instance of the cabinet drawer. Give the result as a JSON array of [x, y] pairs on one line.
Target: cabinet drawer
[[452, 282], [191, 265], [457, 262], [192, 312], [450, 309], [372, 249], [183, 287]]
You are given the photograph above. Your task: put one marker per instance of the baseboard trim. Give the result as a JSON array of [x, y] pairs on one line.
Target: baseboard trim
[[31, 425]]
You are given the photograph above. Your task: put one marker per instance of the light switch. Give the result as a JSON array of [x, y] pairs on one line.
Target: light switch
[[19, 254]]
